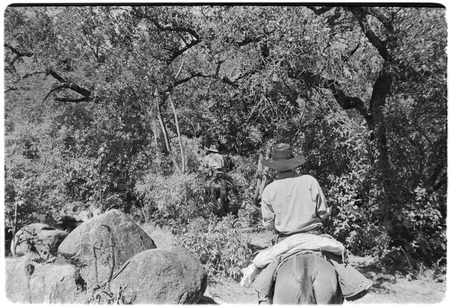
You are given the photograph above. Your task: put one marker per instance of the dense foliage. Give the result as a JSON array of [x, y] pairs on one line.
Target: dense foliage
[[114, 106], [219, 245]]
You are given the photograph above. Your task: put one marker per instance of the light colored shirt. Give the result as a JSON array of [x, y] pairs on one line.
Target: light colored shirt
[[292, 203], [214, 161]]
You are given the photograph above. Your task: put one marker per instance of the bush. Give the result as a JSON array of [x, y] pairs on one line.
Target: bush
[[367, 216], [219, 246], [354, 214], [419, 228], [242, 171], [173, 197]]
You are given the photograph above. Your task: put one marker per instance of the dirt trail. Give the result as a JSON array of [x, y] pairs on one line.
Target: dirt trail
[[388, 288], [390, 285]]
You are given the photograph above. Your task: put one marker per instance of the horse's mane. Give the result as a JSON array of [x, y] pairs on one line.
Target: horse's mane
[[305, 278]]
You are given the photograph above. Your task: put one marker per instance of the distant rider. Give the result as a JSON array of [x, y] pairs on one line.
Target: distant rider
[[213, 165]]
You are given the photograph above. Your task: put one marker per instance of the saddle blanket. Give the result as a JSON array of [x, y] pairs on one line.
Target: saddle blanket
[[290, 245]]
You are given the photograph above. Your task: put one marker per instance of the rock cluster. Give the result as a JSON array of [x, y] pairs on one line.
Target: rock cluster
[[106, 259]]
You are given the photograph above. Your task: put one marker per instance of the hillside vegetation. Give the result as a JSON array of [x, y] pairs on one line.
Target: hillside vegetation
[[114, 106]]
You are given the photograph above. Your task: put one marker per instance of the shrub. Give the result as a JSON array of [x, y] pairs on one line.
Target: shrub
[[243, 172], [354, 212], [219, 246], [419, 228], [173, 197]]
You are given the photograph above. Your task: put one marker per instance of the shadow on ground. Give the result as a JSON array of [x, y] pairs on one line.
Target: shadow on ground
[[205, 300]]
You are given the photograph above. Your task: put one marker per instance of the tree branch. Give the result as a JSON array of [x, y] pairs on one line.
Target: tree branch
[[68, 85], [173, 28], [249, 40], [184, 80], [380, 90], [319, 10], [350, 52], [387, 22], [28, 75], [66, 99], [52, 73], [18, 55], [361, 16], [177, 53], [331, 20], [346, 102], [441, 182]]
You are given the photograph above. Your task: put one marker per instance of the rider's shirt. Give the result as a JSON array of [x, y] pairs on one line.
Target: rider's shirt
[[214, 161], [291, 201]]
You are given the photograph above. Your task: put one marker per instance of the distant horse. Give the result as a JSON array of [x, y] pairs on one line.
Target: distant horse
[[217, 190], [307, 278]]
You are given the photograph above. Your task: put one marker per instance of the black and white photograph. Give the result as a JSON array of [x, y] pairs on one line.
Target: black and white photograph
[[224, 153]]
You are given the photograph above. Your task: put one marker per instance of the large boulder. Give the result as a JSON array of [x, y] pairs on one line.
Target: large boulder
[[38, 241], [161, 276], [31, 282], [99, 246]]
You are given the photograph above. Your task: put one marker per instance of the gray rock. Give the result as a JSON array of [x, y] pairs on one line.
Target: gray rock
[[99, 246], [161, 276], [38, 241], [31, 282]]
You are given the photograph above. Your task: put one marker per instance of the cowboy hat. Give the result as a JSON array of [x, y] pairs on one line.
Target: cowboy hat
[[212, 148], [283, 159]]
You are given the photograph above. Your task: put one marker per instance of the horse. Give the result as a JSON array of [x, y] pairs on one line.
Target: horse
[[217, 190], [221, 190], [306, 278]]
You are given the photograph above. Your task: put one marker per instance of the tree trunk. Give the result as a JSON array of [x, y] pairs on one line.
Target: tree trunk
[[157, 136], [166, 137], [265, 172], [183, 163], [14, 230], [261, 177], [258, 178], [377, 127]]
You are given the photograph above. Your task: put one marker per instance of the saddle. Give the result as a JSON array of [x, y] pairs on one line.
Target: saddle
[[284, 258], [218, 174]]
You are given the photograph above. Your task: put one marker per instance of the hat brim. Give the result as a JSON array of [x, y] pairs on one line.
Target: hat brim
[[212, 150], [284, 165]]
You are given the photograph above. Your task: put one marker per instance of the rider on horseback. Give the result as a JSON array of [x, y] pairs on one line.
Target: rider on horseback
[[213, 161], [213, 164], [294, 204]]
